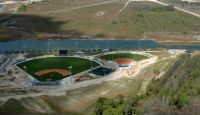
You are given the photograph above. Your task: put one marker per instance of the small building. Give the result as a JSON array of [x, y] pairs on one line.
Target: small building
[[63, 52]]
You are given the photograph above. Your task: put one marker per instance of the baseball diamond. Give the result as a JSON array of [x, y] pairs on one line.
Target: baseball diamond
[[123, 59], [56, 68], [113, 56]]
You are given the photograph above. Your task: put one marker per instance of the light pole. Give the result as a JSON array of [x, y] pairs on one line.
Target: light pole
[[48, 46], [25, 68], [96, 48], [76, 44], [104, 72], [24, 47], [90, 63], [108, 45], [70, 70], [139, 45]]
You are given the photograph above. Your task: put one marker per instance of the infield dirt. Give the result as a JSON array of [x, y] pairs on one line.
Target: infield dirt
[[61, 71]]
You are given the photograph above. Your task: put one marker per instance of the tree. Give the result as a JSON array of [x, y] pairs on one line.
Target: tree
[[100, 107]]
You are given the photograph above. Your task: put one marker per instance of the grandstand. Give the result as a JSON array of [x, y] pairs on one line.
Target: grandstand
[[106, 69], [101, 71]]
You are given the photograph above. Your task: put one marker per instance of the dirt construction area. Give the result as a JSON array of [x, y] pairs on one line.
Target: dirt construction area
[[80, 98]]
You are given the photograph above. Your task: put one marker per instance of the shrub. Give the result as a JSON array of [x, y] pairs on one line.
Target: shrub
[[179, 101], [22, 8], [100, 35], [163, 8]]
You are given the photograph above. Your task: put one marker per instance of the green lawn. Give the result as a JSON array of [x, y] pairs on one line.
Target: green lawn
[[136, 57], [78, 64]]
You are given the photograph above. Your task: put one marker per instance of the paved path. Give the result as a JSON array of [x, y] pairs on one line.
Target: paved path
[[122, 9]]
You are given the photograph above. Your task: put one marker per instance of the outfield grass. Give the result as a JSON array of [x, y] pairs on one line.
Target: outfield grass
[[136, 57], [79, 65]]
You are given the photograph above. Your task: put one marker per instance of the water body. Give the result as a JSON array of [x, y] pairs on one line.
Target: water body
[[45, 45]]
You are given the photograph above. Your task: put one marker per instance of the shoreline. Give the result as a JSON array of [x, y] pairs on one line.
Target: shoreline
[[176, 41], [80, 38], [110, 39]]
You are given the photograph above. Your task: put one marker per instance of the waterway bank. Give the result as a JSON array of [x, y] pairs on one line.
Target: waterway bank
[[58, 44]]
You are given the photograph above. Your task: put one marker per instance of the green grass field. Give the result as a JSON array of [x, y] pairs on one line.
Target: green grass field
[[136, 57], [137, 19], [78, 64]]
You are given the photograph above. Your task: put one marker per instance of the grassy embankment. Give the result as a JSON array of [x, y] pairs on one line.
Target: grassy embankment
[[139, 18]]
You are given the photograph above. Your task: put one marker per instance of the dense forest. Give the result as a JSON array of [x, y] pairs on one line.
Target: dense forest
[[178, 92]]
